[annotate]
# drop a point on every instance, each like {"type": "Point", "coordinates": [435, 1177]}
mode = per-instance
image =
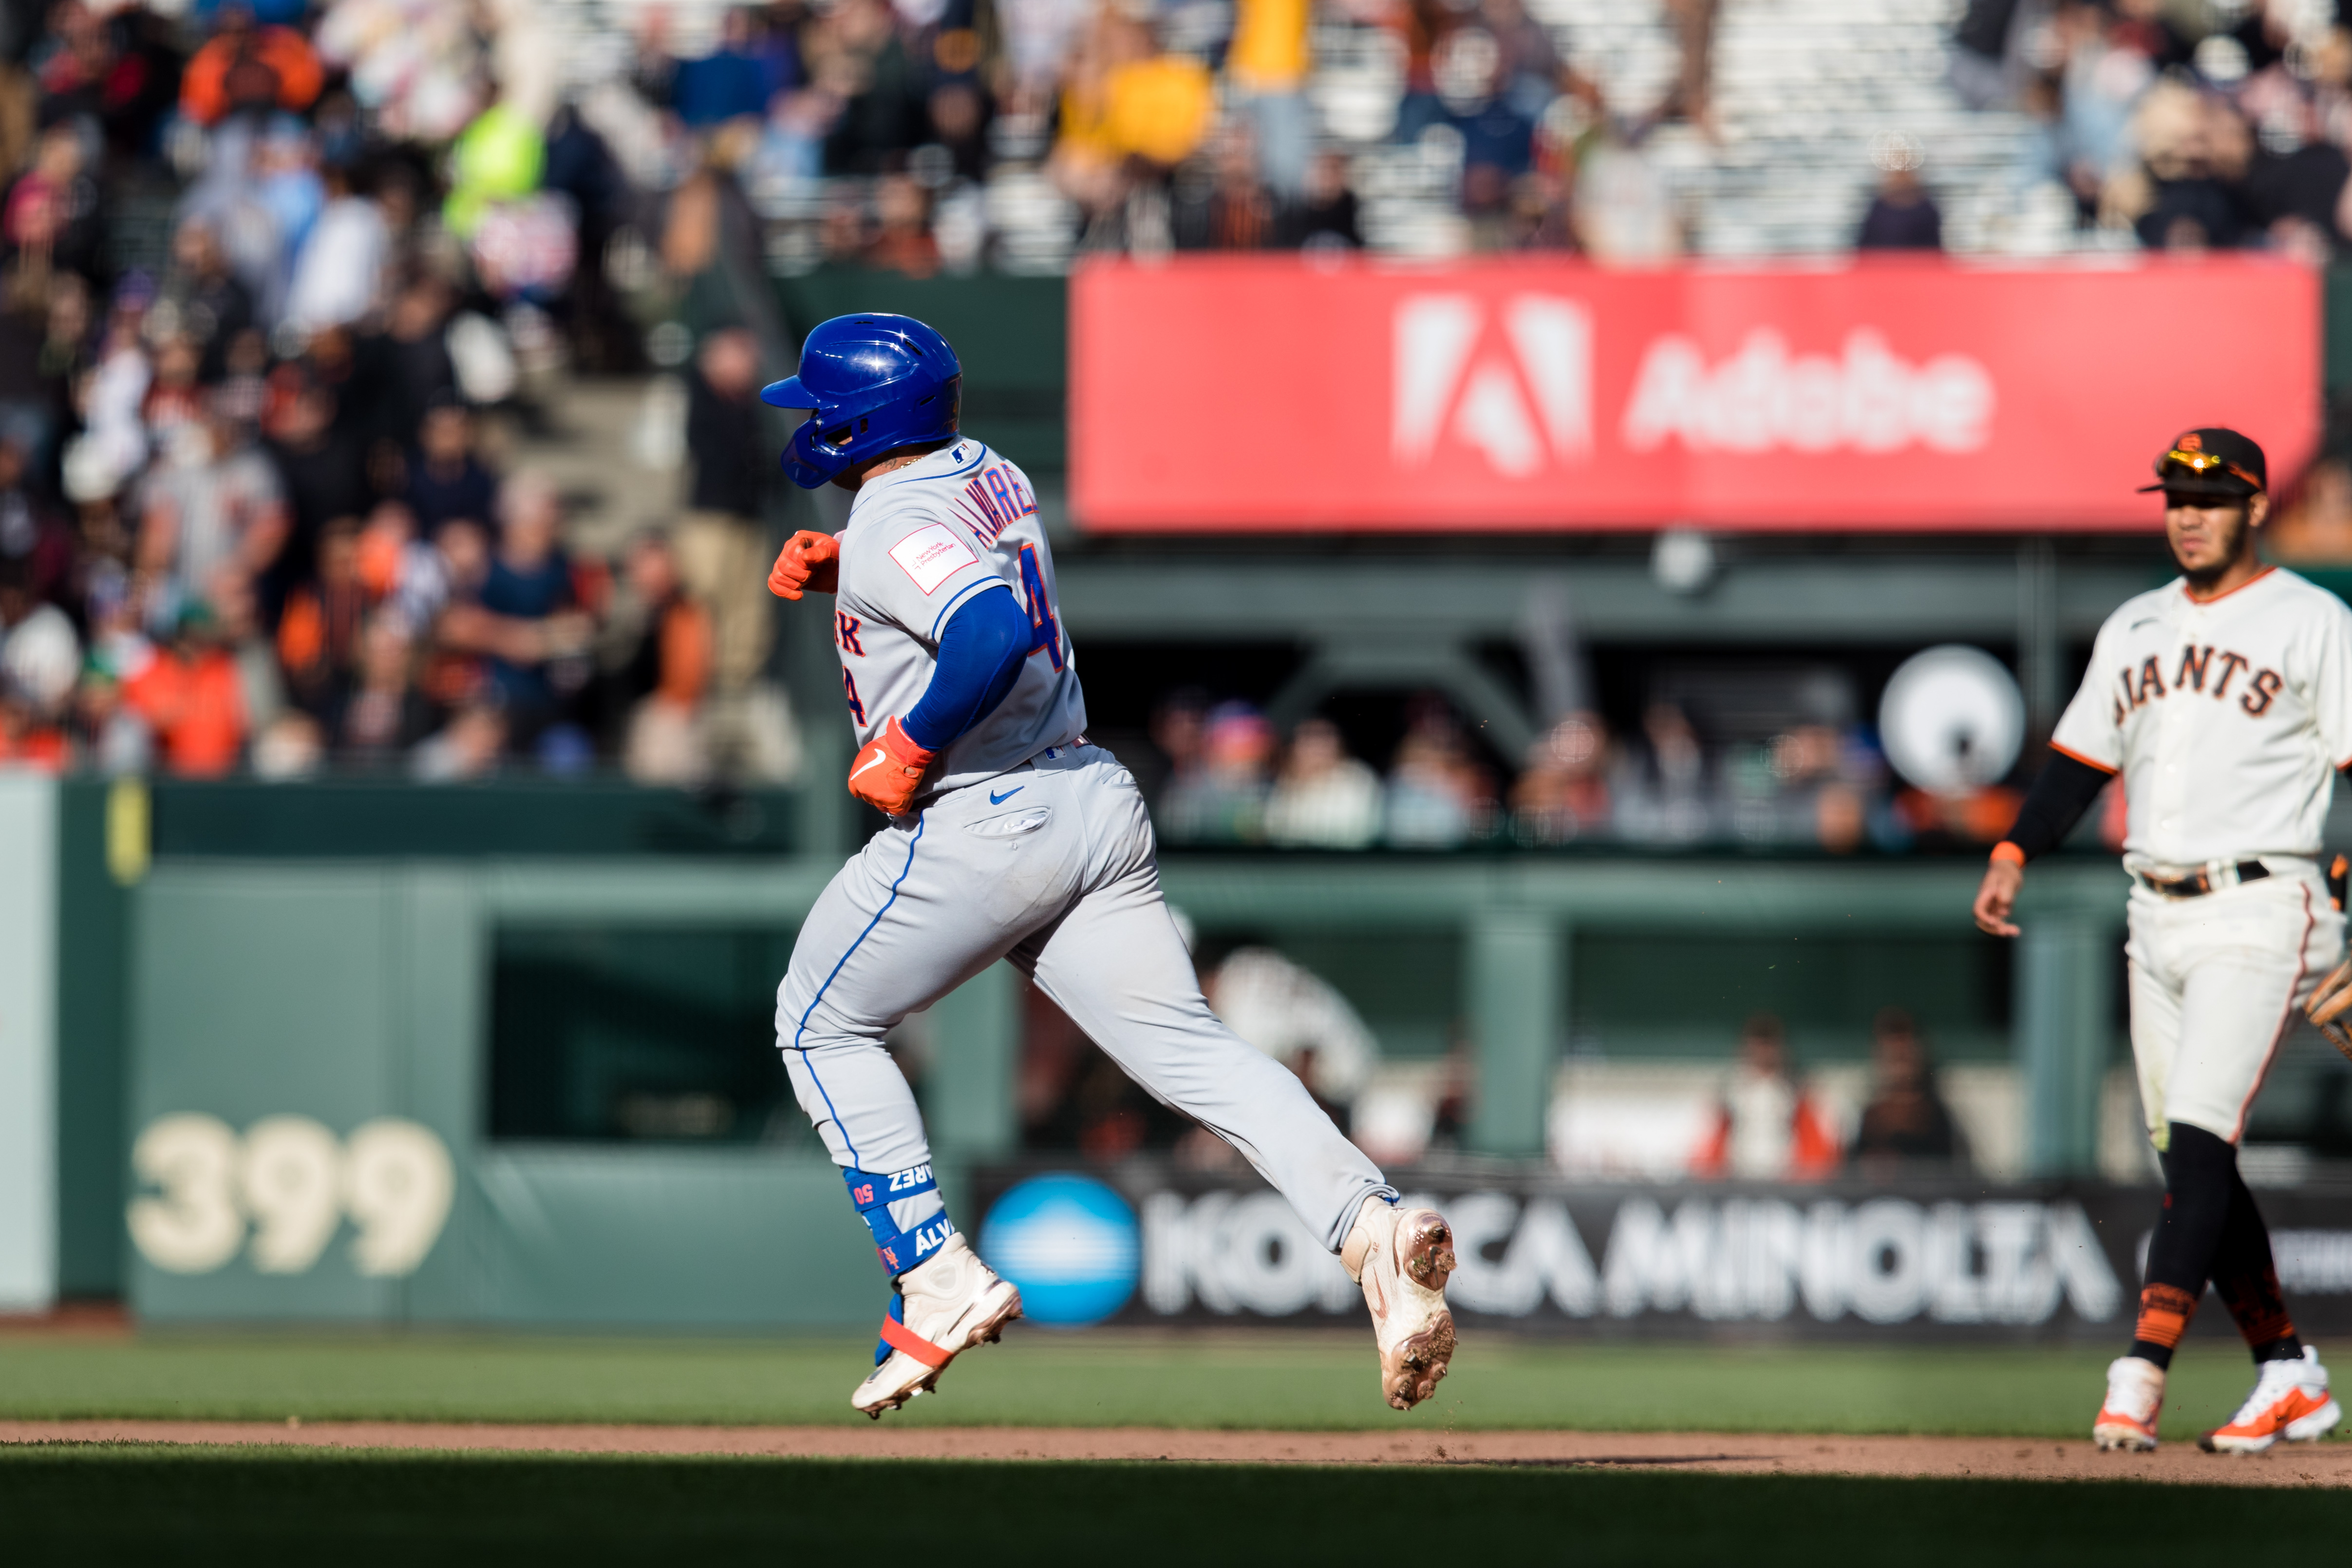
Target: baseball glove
{"type": "Point", "coordinates": [2331, 1008]}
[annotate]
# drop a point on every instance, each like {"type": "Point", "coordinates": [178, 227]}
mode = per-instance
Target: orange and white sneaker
{"type": "Point", "coordinates": [1400, 1257]}
{"type": "Point", "coordinates": [946, 1304]}
{"type": "Point", "coordinates": [2290, 1400]}
{"type": "Point", "coordinates": [2135, 1396]}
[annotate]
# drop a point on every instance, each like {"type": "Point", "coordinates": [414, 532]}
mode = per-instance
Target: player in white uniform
{"type": "Point", "coordinates": [1011, 837]}
{"type": "Point", "coordinates": [2224, 699]}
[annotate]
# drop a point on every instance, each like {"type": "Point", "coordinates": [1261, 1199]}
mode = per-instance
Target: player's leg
{"type": "Point", "coordinates": [864, 960]}
{"type": "Point", "coordinates": [2290, 1399]}
{"type": "Point", "coordinates": [2197, 1168]}
{"type": "Point", "coordinates": [916, 914]}
{"type": "Point", "coordinates": [1114, 964]}
{"type": "Point", "coordinates": [2258, 955]}
{"type": "Point", "coordinates": [2214, 1033]}
{"type": "Point", "coordinates": [2135, 1396]}
{"type": "Point", "coordinates": [2246, 1278]}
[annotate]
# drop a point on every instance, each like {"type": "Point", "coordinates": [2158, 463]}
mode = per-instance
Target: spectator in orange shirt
{"type": "Point", "coordinates": [661, 672]}
{"type": "Point", "coordinates": [1767, 1128]}
{"type": "Point", "coordinates": [25, 741]}
{"type": "Point", "coordinates": [192, 696]}
{"type": "Point", "coordinates": [319, 634]}
{"type": "Point", "coordinates": [250, 66]}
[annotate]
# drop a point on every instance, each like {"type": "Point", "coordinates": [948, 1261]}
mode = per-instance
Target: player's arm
{"type": "Point", "coordinates": [2064, 790]}
{"type": "Point", "coordinates": [981, 650]}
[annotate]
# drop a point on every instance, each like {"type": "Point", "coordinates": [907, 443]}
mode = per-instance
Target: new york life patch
{"type": "Point", "coordinates": [931, 555]}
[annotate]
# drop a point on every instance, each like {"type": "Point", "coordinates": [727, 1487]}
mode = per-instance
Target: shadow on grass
{"type": "Point", "coordinates": [107, 1503]}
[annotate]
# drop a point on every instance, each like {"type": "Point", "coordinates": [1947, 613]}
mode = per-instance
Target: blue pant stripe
{"type": "Point", "coordinates": [821, 990]}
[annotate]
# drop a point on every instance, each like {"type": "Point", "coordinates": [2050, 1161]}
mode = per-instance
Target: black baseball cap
{"type": "Point", "coordinates": [2214, 461]}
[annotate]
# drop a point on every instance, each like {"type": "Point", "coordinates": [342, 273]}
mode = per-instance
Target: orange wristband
{"type": "Point", "coordinates": [2007, 854]}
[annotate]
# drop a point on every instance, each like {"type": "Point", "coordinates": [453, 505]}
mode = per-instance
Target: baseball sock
{"type": "Point", "coordinates": [2247, 1279]}
{"type": "Point", "coordinates": [2197, 1170]}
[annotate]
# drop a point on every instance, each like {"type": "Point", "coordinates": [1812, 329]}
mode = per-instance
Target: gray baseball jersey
{"type": "Point", "coordinates": [921, 540]}
{"type": "Point", "coordinates": [1033, 847]}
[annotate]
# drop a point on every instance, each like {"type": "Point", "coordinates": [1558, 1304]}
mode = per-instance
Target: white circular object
{"type": "Point", "coordinates": [42, 658]}
{"type": "Point", "coordinates": [1683, 561]}
{"type": "Point", "coordinates": [1952, 719]}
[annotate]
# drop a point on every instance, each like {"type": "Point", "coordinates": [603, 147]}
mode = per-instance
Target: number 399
{"type": "Point", "coordinates": [294, 1181]}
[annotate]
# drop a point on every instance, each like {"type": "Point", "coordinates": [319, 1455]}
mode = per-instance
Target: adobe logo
{"type": "Point", "coordinates": [1522, 397]}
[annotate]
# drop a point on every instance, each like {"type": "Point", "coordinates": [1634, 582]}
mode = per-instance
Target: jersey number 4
{"type": "Point", "coordinates": [1046, 630]}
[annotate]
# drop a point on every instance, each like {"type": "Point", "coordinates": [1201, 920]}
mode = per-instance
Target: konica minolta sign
{"type": "Point", "coordinates": [1137, 1244]}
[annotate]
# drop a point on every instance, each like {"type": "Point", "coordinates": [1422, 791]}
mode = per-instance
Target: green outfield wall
{"type": "Point", "coordinates": [294, 1086]}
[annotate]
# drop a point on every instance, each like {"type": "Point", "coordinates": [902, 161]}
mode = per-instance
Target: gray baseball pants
{"type": "Point", "coordinates": [1053, 867]}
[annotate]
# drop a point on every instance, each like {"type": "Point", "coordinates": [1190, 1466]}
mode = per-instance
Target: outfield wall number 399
{"type": "Point", "coordinates": [292, 1181]}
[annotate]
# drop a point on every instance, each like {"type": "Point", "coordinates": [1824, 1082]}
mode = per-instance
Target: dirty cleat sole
{"type": "Point", "coordinates": [1402, 1259]}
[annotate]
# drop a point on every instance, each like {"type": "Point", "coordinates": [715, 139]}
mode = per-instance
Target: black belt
{"type": "Point", "coordinates": [2200, 882]}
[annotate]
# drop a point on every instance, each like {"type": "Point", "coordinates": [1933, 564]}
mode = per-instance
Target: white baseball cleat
{"type": "Point", "coordinates": [2290, 1400]}
{"type": "Point", "coordinates": [1401, 1256]}
{"type": "Point", "coordinates": [2135, 1394]}
{"type": "Point", "coordinates": [946, 1304]}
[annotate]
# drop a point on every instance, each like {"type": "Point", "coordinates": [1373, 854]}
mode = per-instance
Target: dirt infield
{"type": "Point", "coordinates": [2329, 1464]}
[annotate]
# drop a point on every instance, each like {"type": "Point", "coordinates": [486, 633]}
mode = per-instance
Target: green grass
{"type": "Point", "coordinates": [1039, 1378]}
{"type": "Point", "coordinates": [103, 1505]}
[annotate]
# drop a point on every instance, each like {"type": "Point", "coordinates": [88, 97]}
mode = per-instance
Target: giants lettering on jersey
{"type": "Point", "coordinates": [2226, 718]}
{"type": "Point", "coordinates": [2146, 683]}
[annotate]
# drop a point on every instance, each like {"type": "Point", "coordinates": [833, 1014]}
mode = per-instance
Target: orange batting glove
{"type": "Point", "coordinates": [889, 770]}
{"type": "Point", "coordinates": [811, 562]}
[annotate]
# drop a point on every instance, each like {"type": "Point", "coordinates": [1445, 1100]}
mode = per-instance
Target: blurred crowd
{"type": "Point", "coordinates": [1762, 1121]}
{"type": "Point", "coordinates": [2192, 126]}
{"type": "Point", "coordinates": [1768, 1125]}
{"type": "Point", "coordinates": [284, 289]}
{"type": "Point", "coordinates": [277, 290]}
{"type": "Point", "coordinates": [1229, 778]}
{"type": "Point", "coordinates": [1178, 126]}
{"type": "Point", "coordinates": [1192, 125]}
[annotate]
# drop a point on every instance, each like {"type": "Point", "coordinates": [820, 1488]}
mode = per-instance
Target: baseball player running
{"type": "Point", "coordinates": [2224, 699]}
{"type": "Point", "coordinates": [1011, 837]}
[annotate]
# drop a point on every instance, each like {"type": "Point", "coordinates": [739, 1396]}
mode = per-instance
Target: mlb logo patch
{"type": "Point", "coordinates": [932, 555]}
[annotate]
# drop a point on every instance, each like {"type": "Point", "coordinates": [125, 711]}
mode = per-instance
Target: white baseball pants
{"type": "Point", "coordinates": [1053, 867]}
{"type": "Point", "coordinates": [2215, 982]}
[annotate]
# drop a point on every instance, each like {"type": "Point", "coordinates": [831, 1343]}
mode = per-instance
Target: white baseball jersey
{"type": "Point", "coordinates": [921, 540]}
{"type": "Point", "coordinates": [2227, 719]}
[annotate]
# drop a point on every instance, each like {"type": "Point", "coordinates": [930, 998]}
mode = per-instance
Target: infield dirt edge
{"type": "Point", "coordinates": [2015, 1458]}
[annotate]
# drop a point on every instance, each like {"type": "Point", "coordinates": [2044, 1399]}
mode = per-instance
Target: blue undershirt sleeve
{"type": "Point", "coordinates": [986, 642]}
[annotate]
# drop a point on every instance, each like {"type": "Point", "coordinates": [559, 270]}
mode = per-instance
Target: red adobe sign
{"type": "Point", "coordinates": [1270, 393]}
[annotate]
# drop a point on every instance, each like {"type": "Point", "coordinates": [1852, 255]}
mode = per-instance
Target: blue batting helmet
{"type": "Point", "coordinates": [871, 383]}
